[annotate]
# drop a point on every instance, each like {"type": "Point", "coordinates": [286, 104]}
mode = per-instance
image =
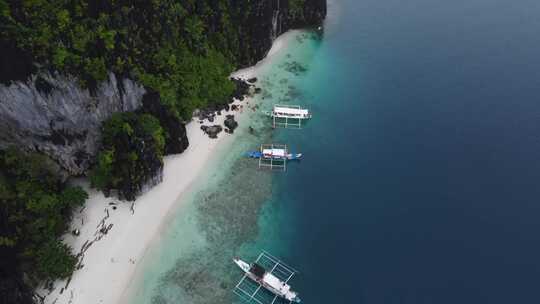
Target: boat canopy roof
{"type": "Point", "coordinates": [274, 152]}
{"type": "Point", "coordinates": [290, 111]}
{"type": "Point", "coordinates": [257, 270]}
{"type": "Point", "coordinates": [276, 283]}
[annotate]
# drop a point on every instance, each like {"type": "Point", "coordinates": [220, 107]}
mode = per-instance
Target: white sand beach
{"type": "Point", "coordinates": [111, 259]}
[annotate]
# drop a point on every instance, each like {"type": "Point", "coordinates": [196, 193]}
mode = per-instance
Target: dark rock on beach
{"type": "Point", "coordinates": [242, 89]}
{"type": "Point", "coordinates": [231, 123]}
{"type": "Point", "coordinates": [212, 131]}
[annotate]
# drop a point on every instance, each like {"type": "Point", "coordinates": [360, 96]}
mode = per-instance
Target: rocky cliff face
{"type": "Point", "coordinates": [268, 19]}
{"type": "Point", "coordinates": [53, 114]}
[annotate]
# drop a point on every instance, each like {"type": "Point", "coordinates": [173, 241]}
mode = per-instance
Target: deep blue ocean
{"type": "Point", "coordinates": [420, 182]}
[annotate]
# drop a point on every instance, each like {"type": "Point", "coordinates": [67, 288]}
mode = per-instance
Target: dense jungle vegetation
{"type": "Point", "coordinates": [133, 147]}
{"type": "Point", "coordinates": [35, 209]}
{"type": "Point", "coordinates": [185, 50]}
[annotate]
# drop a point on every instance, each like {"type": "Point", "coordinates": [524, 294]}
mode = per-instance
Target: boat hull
{"type": "Point", "coordinates": [258, 154]}
{"type": "Point", "coordinates": [266, 282]}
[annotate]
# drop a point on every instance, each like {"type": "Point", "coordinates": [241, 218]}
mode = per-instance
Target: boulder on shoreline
{"type": "Point", "coordinates": [212, 131]}
{"type": "Point", "coordinates": [231, 123]}
{"type": "Point", "coordinates": [241, 89]}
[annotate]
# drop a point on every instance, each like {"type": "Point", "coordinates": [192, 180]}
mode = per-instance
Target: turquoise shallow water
{"type": "Point", "coordinates": [232, 212]}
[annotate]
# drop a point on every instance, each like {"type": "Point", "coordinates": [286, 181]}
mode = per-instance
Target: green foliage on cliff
{"type": "Point", "coordinates": [35, 208]}
{"type": "Point", "coordinates": [55, 260]}
{"type": "Point", "coordinates": [102, 174]}
{"type": "Point", "coordinates": [133, 146]}
{"type": "Point", "coordinates": [296, 8]}
{"type": "Point", "coordinates": [185, 50]}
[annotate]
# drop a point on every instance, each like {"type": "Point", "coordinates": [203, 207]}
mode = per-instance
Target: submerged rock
{"type": "Point", "coordinates": [295, 68]}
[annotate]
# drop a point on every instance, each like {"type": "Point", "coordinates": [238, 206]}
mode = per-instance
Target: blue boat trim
{"type": "Point", "coordinates": [259, 154]}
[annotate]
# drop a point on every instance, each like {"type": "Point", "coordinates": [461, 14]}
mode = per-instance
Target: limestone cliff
{"type": "Point", "coordinates": [53, 114]}
{"type": "Point", "coordinates": [268, 19]}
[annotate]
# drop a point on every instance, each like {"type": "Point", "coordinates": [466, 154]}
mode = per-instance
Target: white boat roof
{"type": "Point", "coordinates": [275, 152]}
{"type": "Point", "coordinates": [292, 111]}
{"type": "Point", "coordinates": [284, 288]}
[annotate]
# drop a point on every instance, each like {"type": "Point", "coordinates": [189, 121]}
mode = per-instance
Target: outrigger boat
{"type": "Point", "coordinates": [289, 111]}
{"type": "Point", "coordinates": [274, 154]}
{"type": "Point", "coordinates": [288, 116]}
{"type": "Point", "coordinates": [270, 274]}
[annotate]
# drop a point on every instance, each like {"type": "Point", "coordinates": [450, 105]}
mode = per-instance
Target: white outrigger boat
{"type": "Point", "coordinates": [281, 114]}
{"type": "Point", "coordinates": [273, 156]}
{"type": "Point", "coordinates": [272, 277]}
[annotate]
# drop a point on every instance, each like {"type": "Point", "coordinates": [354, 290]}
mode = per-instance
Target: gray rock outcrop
{"type": "Point", "coordinates": [267, 19]}
{"type": "Point", "coordinates": [53, 114]}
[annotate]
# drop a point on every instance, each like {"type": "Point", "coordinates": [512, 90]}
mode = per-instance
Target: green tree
{"type": "Point", "coordinates": [55, 260]}
{"type": "Point", "coordinates": [101, 175]}
{"type": "Point", "coordinates": [73, 197]}
{"type": "Point", "coordinates": [132, 153]}
{"type": "Point", "coordinates": [35, 209]}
